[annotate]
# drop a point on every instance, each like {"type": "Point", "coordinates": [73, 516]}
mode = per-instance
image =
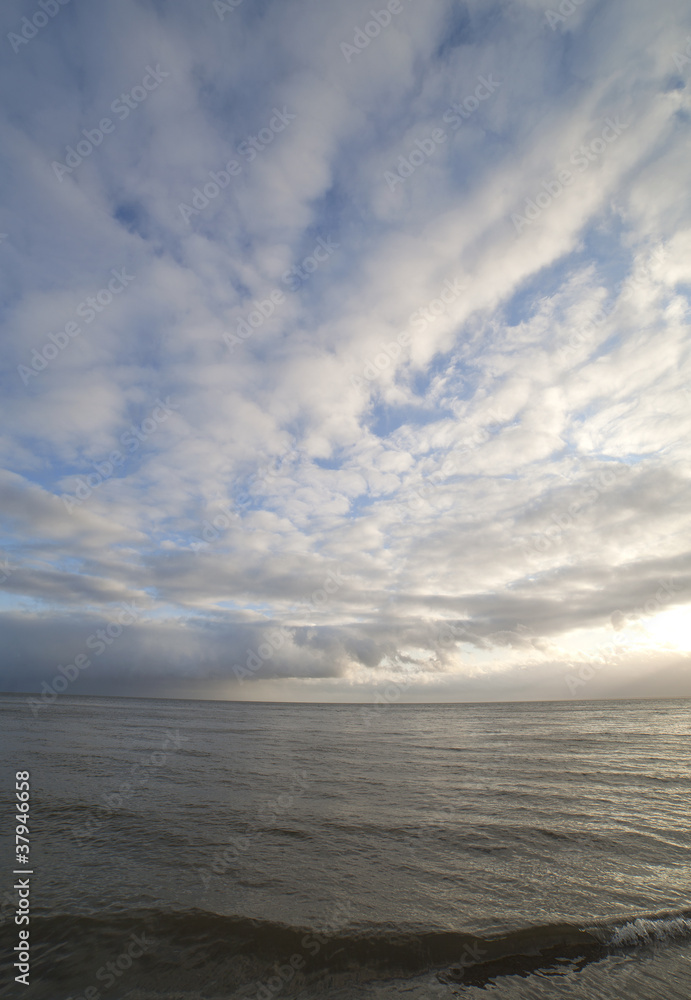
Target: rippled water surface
{"type": "Point", "coordinates": [259, 851]}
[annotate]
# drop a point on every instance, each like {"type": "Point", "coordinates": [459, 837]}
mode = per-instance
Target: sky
{"type": "Point", "coordinates": [345, 350]}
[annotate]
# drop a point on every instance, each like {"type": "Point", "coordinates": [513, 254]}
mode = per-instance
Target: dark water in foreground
{"type": "Point", "coordinates": [196, 849]}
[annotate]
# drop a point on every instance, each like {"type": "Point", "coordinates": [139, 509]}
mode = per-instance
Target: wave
{"type": "Point", "coordinates": [239, 951]}
{"type": "Point", "coordinates": [647, 931]}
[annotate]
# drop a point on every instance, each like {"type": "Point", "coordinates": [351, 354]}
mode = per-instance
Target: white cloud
{"type": "Point", "coordinates": [442, 488]}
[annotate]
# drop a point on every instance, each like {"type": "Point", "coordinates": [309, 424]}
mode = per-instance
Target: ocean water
{"type": "Point", "coordinates": [186, 849]}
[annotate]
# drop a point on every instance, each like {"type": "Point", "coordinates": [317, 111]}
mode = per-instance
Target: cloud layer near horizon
{"type": "Point", "coordinates": [381, 365]}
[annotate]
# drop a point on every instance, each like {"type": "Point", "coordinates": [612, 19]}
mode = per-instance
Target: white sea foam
{"type": "Point", "coordinates": [647, 931]}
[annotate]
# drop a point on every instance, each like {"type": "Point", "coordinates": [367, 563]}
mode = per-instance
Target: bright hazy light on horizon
{"type": "Point", "coordinates": [672, 628]}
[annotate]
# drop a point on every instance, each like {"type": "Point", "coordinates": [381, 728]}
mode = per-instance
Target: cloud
{"type": "Point", "coordinates": [469, 422]}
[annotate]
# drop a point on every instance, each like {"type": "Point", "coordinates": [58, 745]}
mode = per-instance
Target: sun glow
{"type": "Point", "coordinates": [672, 628]}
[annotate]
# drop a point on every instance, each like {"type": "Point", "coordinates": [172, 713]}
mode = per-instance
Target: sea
{"type": "Point", "coordinates": [182, 850]}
